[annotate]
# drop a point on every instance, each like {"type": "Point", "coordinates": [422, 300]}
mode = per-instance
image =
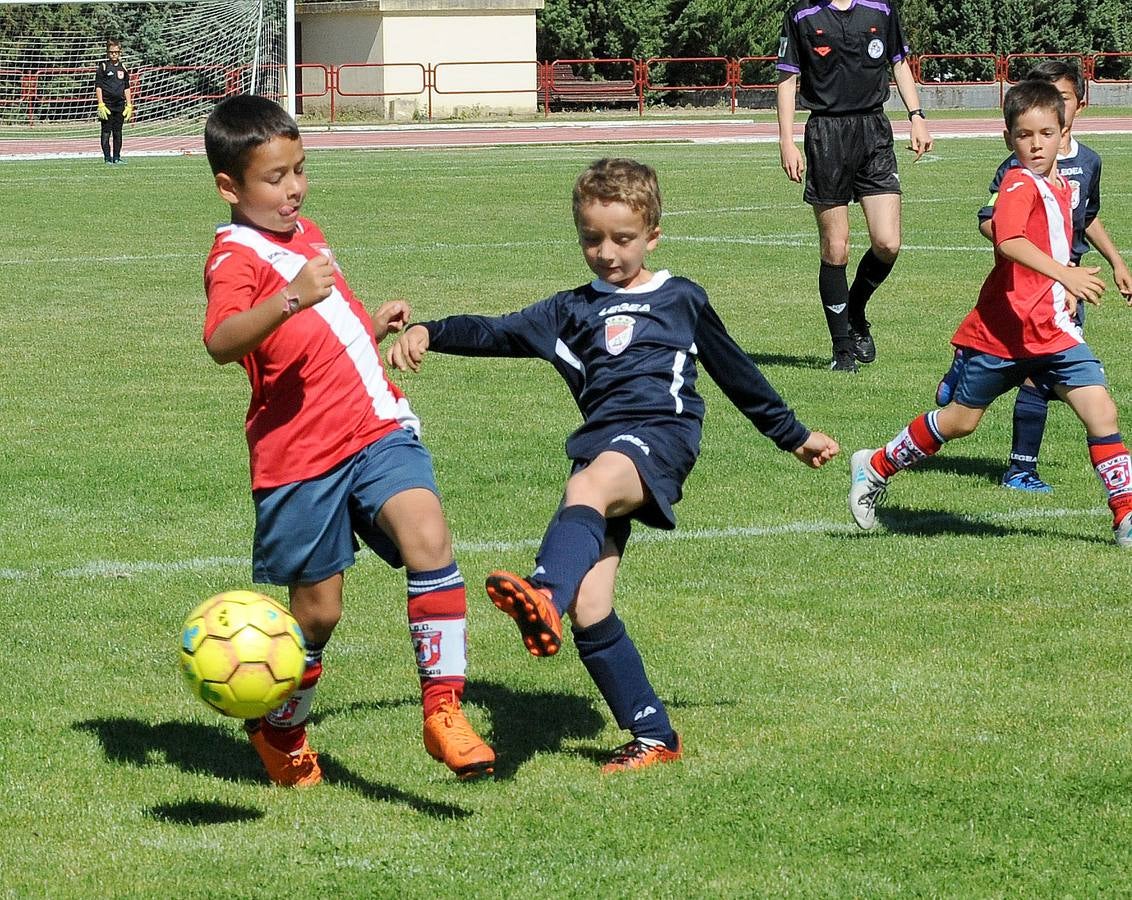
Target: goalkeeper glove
{"type": "Point", "coordinates": [128, 114]}
{"type": "Point", "coordinates": [103, 110]}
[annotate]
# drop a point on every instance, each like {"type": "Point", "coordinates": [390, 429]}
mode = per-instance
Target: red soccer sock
{"type": "Point", "coordinates": [919, 440]}
{"type": "Point", "coordinates": [437, 606]}
{"type": "Point", "coordinates": [1114, 468]}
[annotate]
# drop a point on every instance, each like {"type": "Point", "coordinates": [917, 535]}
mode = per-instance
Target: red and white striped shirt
{"type": "Point", "coordinates": [319, 391]}
{"type": "Point", "coordinates": [1020, 312]}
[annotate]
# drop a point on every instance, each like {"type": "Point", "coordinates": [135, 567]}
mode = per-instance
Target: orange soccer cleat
{"type": "Point", "coordinates": [637, 755]}
{"type": "Point", "coordinates": [531, 608]}
{"type": "Point", "coordinates": [297, 769]}
{"type": "Point", "coordinates": [449, 738]}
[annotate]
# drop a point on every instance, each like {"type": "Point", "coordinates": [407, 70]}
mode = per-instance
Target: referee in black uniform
{"type": "Point", "coordinates": [115, 106]}
{"type": "Point", "coordinates": [838, 53]}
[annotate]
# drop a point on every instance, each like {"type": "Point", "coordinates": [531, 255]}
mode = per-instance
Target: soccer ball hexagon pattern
{"type": "Point", "coordinates": [242, 653]}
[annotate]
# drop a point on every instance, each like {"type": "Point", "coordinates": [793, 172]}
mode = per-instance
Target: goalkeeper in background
{"type": "Point", "coordinates": [115, 105]}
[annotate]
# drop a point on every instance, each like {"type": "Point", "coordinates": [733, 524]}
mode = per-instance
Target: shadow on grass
{"type": "Point", "coordinates": [211, 751]}
{"type": "Point", "coordinates": [932, 522]}
{"type": "Point", "coordinates": [787, 359]}
{"type": "Point", "coordinates": [980, 467]}
{"type": "Point", "coordinates": [202, 812]}
{"type": "Point", "coordinates": [525, 723]}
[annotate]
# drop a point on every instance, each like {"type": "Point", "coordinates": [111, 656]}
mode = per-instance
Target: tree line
{"type": "Point", "coordinates": [639, 29]}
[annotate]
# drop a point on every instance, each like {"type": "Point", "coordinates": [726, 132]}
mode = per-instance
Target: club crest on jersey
{"type": "Point", "coordinates": [618, 333]}
{"type": "Point", "coordinates": [427, 646]}
{"type": "Point", "coordinates": [875, 48]}
{"type": "Point", "coordinates": [1076, 186]}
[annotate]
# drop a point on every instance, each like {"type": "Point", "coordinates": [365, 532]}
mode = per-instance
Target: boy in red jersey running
{"type": "Point", "coordinates": [335, 449]}
{"type": "Point", "coordinates": [1022, 326]}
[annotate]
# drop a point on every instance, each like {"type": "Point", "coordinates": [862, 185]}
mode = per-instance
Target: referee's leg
{"type": "Point", "coordinates": [833, 284]}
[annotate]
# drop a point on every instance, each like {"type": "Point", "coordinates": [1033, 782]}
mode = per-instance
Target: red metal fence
{"type": "Point", "coordinates": [44, 93]}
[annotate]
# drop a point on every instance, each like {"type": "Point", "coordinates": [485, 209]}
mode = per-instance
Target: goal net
{"type": "Point", "coordinates": [182, 55]}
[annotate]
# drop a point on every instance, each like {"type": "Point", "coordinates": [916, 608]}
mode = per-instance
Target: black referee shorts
{"type": "Point", "coordinates": [849, 157]}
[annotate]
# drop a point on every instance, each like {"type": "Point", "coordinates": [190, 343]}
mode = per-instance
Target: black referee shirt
{"type": "Point", "coordinates": [841, 56]}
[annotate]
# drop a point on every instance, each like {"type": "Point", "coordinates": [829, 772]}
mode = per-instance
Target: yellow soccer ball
{"type": "Point", "coordinates": [242, 653]}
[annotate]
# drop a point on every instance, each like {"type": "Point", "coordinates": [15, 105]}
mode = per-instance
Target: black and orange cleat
{"type": "Point", "coordinates": [449, 738]}
{"type": "Point", "coordinates": [638, 754]}
{"type": "Point", "coordinates": [531, 608]}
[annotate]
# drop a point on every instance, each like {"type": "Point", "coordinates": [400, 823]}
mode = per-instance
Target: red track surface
{"type": "Point", "coordinates": [411, 136]}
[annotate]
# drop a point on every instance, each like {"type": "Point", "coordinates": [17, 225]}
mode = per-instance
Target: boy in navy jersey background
{"type": "Point", "coordinates": [627, 345]}
{"type": "Point", "coordinates": [1081, 167]}
{"type": "Point", "coordinates": [335, 449]}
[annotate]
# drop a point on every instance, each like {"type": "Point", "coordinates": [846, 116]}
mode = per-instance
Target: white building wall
{"type": "Point", "coordinates": [482, 53]}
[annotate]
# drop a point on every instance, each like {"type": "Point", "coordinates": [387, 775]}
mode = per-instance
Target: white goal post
{"type": "Point", "coordinates": [183, 56]}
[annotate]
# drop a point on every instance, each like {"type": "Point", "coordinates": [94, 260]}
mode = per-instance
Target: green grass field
{"type": "Point", "coordinates": [939, 708]}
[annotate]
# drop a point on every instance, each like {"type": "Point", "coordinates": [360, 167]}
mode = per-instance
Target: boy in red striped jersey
{"type": "Point", "coordinates": [335, 449]}
{"type": "Point", "coordinates": [1022, 326]}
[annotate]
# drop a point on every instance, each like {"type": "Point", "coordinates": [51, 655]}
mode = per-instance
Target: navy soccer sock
{"type": "Point", "coordinates": [871, 273]}
{"type": "Point", "coordinates": [611, 658]}
{"type": "Point", "coordinates": [1030, 409]}
{"type": "Point", "coordinates": [570, 548]}
{"type": "Point", "coordinates": [834, 291]}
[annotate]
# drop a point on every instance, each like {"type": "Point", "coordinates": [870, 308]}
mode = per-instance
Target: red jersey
{"type": "Point", "coordinates": [1020, 312]}
{"type": "Point", "coordinates": [319, 391]}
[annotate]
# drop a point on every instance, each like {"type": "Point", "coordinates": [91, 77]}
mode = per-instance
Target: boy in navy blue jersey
{"type": "Point", "coordinates": [1081, 167]}
{"type": "Point", "coordinates": [627, 345]}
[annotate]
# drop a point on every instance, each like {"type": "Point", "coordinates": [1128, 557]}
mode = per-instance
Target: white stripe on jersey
{"type": "Point", "coordinates": [677, 380]}
{"type": "Point", "coordinates": [1059, 250]}
{"type": "Point", "coordinates": [336, 312]}
{"type": "Point", "coordinates": [343, 322]}
{"type": "Point", "coordinates": [566, 355]}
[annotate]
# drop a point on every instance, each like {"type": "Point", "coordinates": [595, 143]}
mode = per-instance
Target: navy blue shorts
{"type": "Point", "coordinates": [663, 452]}
{"type": "Point", "coordinates": [307, 531]}
{"type": "Point", "coordinates": [849, 157]}
{"type": "Point", "coordinates": [984, 376]}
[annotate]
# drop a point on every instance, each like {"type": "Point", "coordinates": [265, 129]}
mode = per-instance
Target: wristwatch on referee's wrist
{"type": "Point", "coordinates": [916, 112]}
{"type": "Point", "coordinates": [290, 302]}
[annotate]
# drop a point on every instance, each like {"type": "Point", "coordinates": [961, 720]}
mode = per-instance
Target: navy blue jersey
{"type": "Point", "coordinates": [1081, 167]}
{"type": "Point", "coordinates": [629, 355]}
{"type": "Point", "coordinates": [841, 57]}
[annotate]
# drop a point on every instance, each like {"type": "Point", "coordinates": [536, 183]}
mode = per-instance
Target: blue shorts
{"type": "Point", "coordinates": [307, 531]}
{"type": "Point", "coordinates": [663, 452]}
{"type": "Point", "coordinates": [984, 376]}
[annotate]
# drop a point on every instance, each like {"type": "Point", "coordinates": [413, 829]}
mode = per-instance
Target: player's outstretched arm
{"type": "Point", "coordinates": [390, 317]}
{"type": "Point", "coordinates": [1081, 282]}
{"type": "Point", "coordinates": [817, 450]}
{"type": "Point", "coordinates": [409, 349]}
{"type": "Point", "coordinates": [1105, 246]}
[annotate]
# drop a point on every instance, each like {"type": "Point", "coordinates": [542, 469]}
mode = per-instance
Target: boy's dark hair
{"type": "Point", "coordinates": [1032, 94]}
{"type": "Point", "coordinates": [623, 180]}
{"type": "Point", "coordinates": [113, 42]}
{"type": "Point", "coordinates": [1052, 70]}
{"type": "Point", "coordinates": [237, 126]}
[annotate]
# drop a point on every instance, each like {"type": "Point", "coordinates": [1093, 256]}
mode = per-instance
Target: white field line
{"type": "Point", "coordinates": [96, 569]}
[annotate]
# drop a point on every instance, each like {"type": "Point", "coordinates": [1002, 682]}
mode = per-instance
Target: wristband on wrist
{"type": "Point", "coordinates": [916, 112]}
{"type": "Point", "coordinates": [290, 302]}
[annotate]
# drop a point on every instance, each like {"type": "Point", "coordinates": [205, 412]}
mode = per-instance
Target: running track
{"type": "Point", "coordinates": [623, 132]}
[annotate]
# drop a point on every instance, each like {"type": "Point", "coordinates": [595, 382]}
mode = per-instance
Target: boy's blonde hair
{"type": "Point", "coordinates": [620, 180]}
